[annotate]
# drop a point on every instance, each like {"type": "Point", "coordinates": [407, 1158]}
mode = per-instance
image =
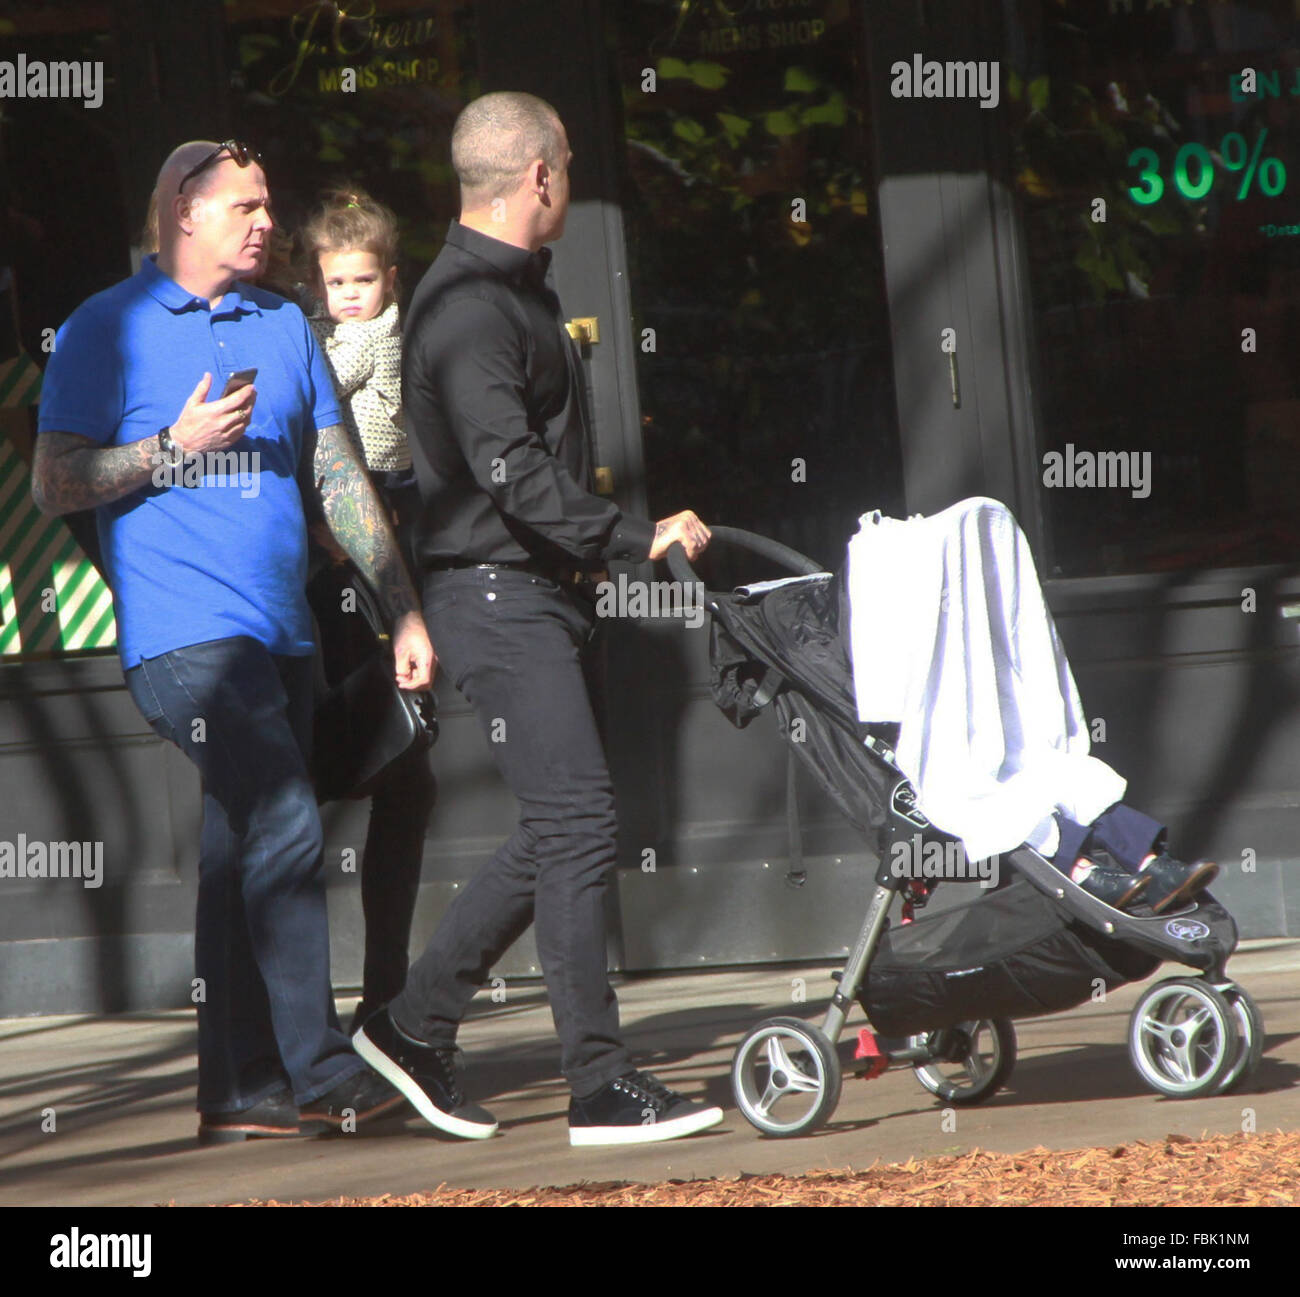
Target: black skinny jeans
{"type": "Point", "coordinates": [513, 645]}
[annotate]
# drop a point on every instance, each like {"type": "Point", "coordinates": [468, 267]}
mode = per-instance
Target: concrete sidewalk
{"type": "Point", "coordinates": [122, 1092]}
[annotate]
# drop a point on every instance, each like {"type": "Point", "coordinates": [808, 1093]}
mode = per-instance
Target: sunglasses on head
{"type": "Point", "coordinates": [241, 154]}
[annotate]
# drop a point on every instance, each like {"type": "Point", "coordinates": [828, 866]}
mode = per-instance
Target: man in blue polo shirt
{"type": "Point", "coordinates": [199, 505]}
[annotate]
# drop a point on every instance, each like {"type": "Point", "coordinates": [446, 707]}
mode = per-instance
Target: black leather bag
{"type": "Point", "coordinates": [363, 722]}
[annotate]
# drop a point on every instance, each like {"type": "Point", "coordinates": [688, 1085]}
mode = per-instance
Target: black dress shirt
{"type": "Point", "coordinates": [495, 413]}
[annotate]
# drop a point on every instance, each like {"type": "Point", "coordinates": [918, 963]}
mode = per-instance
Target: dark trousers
{"type": "Point", "coordinates": [390, 874]}
{"type": "Point", "coordinates": [400, 805]}
{"type": "Point", "coordinates": [512, 643]}
{"type": "Point", "coordinates": [261, 948]}
{"type": "Point", "coordinates": [1127, 834]}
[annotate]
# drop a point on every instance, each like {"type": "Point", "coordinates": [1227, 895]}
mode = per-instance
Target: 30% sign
{"type": "Point", "coordinates": [1193, 170]}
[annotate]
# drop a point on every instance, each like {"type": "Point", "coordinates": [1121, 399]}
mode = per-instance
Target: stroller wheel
{"type": "Point", "coordinates": [786, 1077]}
{"type": "Point", "coordinates": [1250, 1027]}
{"type": "Point", "coordinates": [1183, 1038]}
{"type": "Point", "coordinates": [971, 1061]}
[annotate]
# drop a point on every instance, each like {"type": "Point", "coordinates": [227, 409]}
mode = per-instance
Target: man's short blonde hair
{"type": "Point", "coordinates": [497, 137]}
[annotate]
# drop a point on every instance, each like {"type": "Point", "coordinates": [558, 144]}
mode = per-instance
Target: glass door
{"type": "Point", "coordinates": [754, 254]}
{"type": "Point", "coordinates": [761, 345]}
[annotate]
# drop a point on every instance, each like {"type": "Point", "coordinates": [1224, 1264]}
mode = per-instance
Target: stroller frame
{"type": "Point", "coordinates": [1188, 1036]}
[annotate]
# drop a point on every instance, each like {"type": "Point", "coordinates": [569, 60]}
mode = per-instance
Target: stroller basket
{"type": "Point", "coordinates": [1010, 954]}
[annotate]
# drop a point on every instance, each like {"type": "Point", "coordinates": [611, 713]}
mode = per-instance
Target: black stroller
{"type": "Point", "coordinates": [941, 991]}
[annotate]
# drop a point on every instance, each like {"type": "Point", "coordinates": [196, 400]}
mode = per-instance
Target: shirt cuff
{"type": "Point", "coordinates": [631, 539]}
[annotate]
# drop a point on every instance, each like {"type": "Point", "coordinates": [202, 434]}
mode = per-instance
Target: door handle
{"type": "Point", "coordinates": [584, 329]}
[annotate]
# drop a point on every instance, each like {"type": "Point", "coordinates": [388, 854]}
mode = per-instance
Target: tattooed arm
{"type": "Point", "coordinates": [357, 518]}
{"type": "Point", "coordinates": [360, 524]}
{"type": "Point", "coordinates": [71, 472]}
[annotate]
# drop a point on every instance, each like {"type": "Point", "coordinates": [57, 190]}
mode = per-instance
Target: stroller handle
{"type": "Point", "coordinates": [800, 564]}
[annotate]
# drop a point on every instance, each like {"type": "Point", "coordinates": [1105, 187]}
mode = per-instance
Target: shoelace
{"type": "Point", "coordinates": [642, 1085]}
{"type": "Point", "coordinates": [445, 1058]}
{"type": "Point", "coordinates": [449, 1060]}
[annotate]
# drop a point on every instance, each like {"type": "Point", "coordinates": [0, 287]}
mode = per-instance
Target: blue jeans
{"type": "Point", "coordinates": [261, 948]}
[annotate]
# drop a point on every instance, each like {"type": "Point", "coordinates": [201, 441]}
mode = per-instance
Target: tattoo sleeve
{"type": "Point", "coordinates": [357, 518]}
{"type": "Point", "coordinates": [70, 473]}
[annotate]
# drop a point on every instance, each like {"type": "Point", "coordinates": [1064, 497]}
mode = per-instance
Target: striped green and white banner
{"type": "Point", "coordinates": [20, 381]}
{"type": "Point", "coordinates": [52, 600]}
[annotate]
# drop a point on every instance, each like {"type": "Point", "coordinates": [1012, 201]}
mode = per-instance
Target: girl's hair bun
{"type": "Point", "coordinates": [347, 219]}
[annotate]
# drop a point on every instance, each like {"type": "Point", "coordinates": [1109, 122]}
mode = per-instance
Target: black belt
{"type": "Point", "coordinates": [564, 575]}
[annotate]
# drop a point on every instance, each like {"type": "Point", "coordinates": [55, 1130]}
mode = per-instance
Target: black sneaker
{"type": "Point", "coordinates": [362, 1097]}
{"type": "Point", "coordinates": [1114, 887]}
{"type": "Point", "coordinates": [636, 1109]}
{"type": "Point", "coordinates": [425, 1074]}
{"type": "Point", "coordinates": [275, 1117]}
{"type": "Point", "coordinates": [1174, 883]}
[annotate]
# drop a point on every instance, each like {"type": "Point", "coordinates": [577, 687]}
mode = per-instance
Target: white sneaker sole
{"type": "Point", "coordinates": [653, 1133]}
{"type": "Point", "coordinates": [420, 1101]}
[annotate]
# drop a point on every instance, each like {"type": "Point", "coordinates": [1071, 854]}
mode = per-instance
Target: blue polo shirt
{"type": "Point", "coordinates": [220, 549]}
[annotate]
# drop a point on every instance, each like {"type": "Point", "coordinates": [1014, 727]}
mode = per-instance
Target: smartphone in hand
{"type": "Point", "coordinates": [240, 378]}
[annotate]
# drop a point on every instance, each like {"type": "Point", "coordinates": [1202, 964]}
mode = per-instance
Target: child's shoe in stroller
{"type": "Point", "coordinates": [1112, 886]}
{"type": "Point", "coordinates": [1172, 882]}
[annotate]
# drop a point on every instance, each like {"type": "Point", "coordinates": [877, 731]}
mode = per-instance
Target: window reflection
{"type": "Point", "coordinates": [1141, 317]}
{"type": "Point", "coordinates": [766, 383]}
{"type": "Point", "coordinates": [366, 95]}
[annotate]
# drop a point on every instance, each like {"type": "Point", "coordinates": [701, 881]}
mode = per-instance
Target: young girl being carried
{"type": "Point", "coordinates": [351, 249]}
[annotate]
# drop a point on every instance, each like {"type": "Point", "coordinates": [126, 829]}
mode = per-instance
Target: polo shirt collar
{"type": "Point", "coordinates": [233, 300]}
{"type": "Point", "coordinates": [166, 290]}
{"type": "Point", "coordinates": [512, 262]}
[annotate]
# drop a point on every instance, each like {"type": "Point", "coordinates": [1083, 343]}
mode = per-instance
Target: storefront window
{"type": "Point", "coordinates": [753, 237]}
{"type": "Point", "coordinates": [1157, 171]}
{"type": "Point", "coordinates": [63, 236]}
{"type": "Point", "coordinates": [363, 95]}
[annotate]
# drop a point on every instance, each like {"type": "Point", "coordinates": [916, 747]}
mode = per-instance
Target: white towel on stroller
{"type": "Point", "coordinates": [952, 640]}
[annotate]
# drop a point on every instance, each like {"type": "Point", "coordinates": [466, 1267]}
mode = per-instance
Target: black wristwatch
{"type": "Point", "coordinates": [165, 444]}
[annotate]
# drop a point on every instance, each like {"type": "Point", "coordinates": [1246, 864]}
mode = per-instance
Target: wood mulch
{"type": "Point", "coordinates": [1259, 1170]}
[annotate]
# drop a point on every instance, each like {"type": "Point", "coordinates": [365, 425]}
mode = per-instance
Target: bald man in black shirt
{"type": "Point", "coordinates": [498, 429]}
